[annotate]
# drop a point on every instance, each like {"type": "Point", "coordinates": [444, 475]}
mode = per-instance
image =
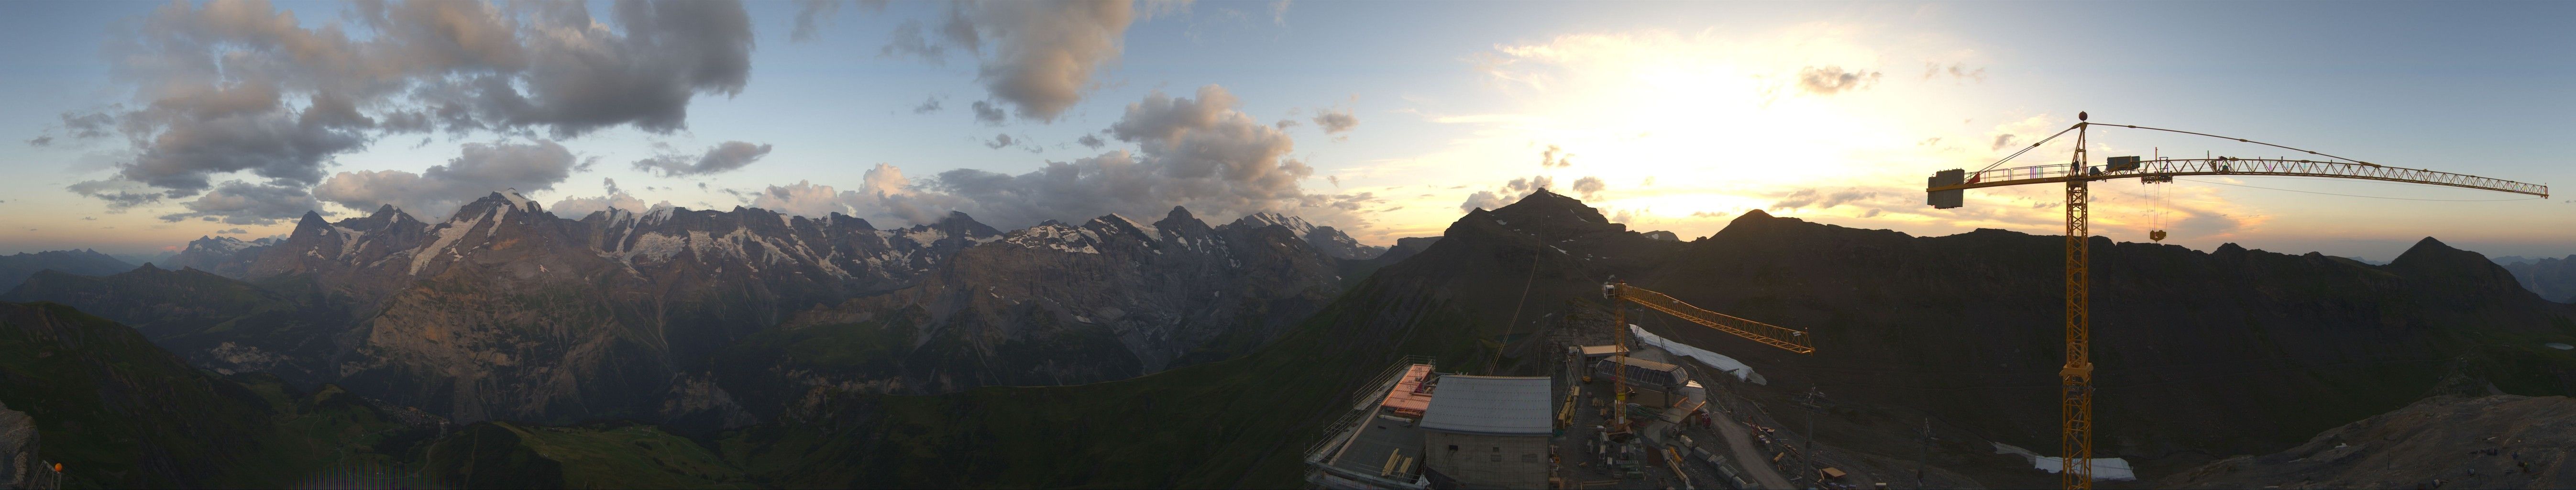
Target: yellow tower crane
{"type": "Point", "coordinates": [1619, 293]}
{"type": "Point", "coordinates": [1947, 187]}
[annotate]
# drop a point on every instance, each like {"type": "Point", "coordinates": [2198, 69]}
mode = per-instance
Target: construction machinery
{"type": "Point", "coordinates": [1946, 189]}
{"type": "Point", "coordinates": [1620, 293]}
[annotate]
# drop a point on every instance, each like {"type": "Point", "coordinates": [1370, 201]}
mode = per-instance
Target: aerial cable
{"type": "Point", "coordinates": [2027, 149]}
{"type": "Point", "coordinates": [2243, 140]}
{"type": "Point", "coordinates": [2372, 197]}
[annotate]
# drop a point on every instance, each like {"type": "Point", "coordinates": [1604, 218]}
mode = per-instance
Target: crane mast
{"type": "Point", "coordinates": [1945, 190]}
{"type": "Point", "coordinates": [2075, 380]}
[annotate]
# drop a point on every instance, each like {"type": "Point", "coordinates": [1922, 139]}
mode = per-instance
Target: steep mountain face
{"type": "Point", "coordinates": [15, 268]}
{"type": "Point", "coordinates": [2552, 279]}
{"type": "Point", "coordinates": [2497, 441]}
{"type": "Point", "coordinates": [1052, 304]}
{"type": "Point", "coordinates": [1969, 327]}
{"type": "Point", "coordinates": [1331, 242]}
{"type": "Point", "coordinates": [222, 255]}
{"type": "Point", "coordinates": [119, 412]}
{"type": "Point", "coordinates": [506, 312]}
{"type": "Point", "coordinates": [212, 321]}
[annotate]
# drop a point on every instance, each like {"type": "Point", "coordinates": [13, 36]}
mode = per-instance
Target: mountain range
{"type": "Point", "coordinates": [808, 352]}
{"type": "Point", "coordinates": [505, 311]}
{"type": "Point", "coordinates": [15, 268]}
{"type": "Point", "coordinates": [2553, 279]}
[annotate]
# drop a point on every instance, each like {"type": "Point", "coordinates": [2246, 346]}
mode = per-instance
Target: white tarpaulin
{"type": "Point", "coordinates": [1719, 361]}
{"type": "Point", "coordinates": [2103, 468]}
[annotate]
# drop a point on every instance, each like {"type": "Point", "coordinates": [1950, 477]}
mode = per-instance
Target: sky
{"type": "Point", "coordinates": [134, 127]}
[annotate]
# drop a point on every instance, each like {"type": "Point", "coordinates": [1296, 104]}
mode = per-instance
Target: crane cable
{"type": "Point", "coordinates": [2241, 140]}
{"type": "Point", "coordinates": [1515, 323]}
{"type": "Point", "coordinates": [2027, 149]}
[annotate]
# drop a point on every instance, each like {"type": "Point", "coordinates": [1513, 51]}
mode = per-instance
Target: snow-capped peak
{"type": "Point", "coordinates": [1296, 226]}
{"type": "Point", "coordinates": [518, 201]}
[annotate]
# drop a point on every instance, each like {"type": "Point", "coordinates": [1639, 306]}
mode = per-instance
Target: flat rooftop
{"type": "Point", "coordinates": [1492, 405]}
{"type": "Point", "coordinates": [1380, 441]}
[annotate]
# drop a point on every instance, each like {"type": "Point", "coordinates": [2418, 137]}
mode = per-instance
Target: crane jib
{"type": "Point", "coordinates": [1944, 184]}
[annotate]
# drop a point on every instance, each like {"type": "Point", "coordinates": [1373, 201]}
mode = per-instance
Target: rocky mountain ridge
{"type": "Point", "coordinates": [222, 255]}
{"type": "Point", "coordinates": [15, 268]}
{"type": "Point", "coordinates": [2553, 279]}
{"type": "Point", "coordinates": [1110, 298]}
{"type": "Point", "coordinates": [505, 311]}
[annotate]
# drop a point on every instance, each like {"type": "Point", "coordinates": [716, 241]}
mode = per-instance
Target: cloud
{"type": "Point", "coordinates": [1510, 192]}
{"type": "Point", "coordinates": [478, 170]}
{"type": "Point", "coordinates": [927, 106]}
{"type": "Point", "coordinates": [1710, 214]}
{"type": "Point", "coordinates": [1285, 124]}
{"type": "Point", "coordinates": [234, 231]}
{"type": "Point", "coordinates": [120, 194]}
{"type": "Point", "coordinates": [240, 86]}
{"type": "Point", "coordinates": [1335, 179]}
{"type": "Point", "coordinates": [1553, 159]}
{"type": "Point", "coordinates": [1588, 186]}
{"type": "Point", "coordinates": [577, 207]}
{"type": "Point", "coordinates": [1810, 199]}
{"type": "Point", "coordinates": [723, 157]}
{"type": "Point", "coordinates": [242, 203]}
{"type": "Point", "coordinates": [1956, 71]}
{"type": "Point", "coordinates": [1041, 55]}
{"type": "Point", "coordinates": [1335, 121]}
{"type": "Point", "coordinates": [1198, 152]}
{"type": "Point", "coordinates": [998, 141]}
{"type": "Point", "coordinates": [809, 13]}
{"type": "Point", "coordinates": [988, 113]}
{"type": "Point", "coordinates": [910, 42]}
{"type": "Point", "coordinates": [1829, 80]}
{"type": "Point", "coordinates": [1091, 141]}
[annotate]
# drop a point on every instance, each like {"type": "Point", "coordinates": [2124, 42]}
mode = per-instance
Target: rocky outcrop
{"type": "Point", "coordinates": [2496, 441]}
{"type": "Point", "coordinates": [18, 446]}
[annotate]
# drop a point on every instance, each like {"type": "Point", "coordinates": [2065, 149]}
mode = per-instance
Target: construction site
{"type": "Point", "coordinates": [1626, 407]}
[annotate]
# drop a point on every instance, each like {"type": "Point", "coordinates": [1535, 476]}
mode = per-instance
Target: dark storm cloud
{"type": "Point", "coordinates": [240, 86]}
{"type": "Point", "coordinates": [478, 170]}
{"type": "Point", "coordinates": [721, 158]}
{"type": "Point", "coordinates": [1829, 80]}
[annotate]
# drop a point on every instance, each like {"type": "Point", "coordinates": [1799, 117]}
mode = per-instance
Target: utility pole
{"type": "Point", "coordinates": [1814, 401]}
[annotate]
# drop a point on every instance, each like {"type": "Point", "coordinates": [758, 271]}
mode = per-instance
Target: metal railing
{"type": "Point", "coordinates": [2038, 174]}
{"type": "Point", "coordinates": [1774, 335]}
